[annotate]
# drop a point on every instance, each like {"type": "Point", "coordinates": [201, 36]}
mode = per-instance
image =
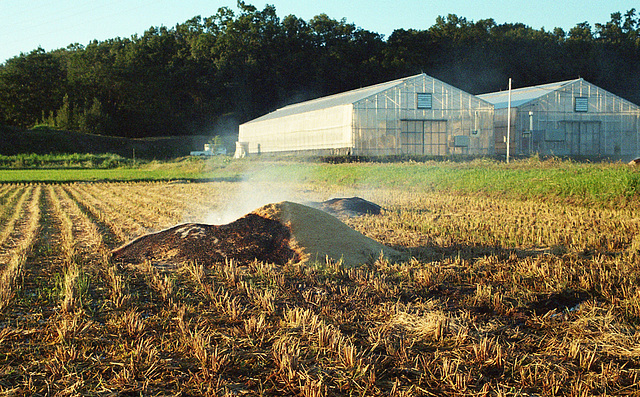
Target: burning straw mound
{"type": "Point", "coordinates": [276, 233]}
{"type": "Point", "coordinates": [243, 240]}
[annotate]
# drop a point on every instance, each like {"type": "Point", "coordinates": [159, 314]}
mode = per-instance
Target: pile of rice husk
{"type": "Point", "coordinates": [348, 207]}
{"type": "Point", "coordinates": [276, 233]}
{"type": "Point", "coordinates": [316, 235]}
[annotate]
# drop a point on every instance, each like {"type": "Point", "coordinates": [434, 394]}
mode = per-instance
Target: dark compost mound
{"type": "Point", "coordinates": [350, 207]}
{"type": "Point", "coordinates": [244, 240]}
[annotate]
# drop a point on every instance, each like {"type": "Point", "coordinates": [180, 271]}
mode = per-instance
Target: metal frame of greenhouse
{"type": "Point", "coordinates": [423, 116]}
{"type": "Point", "coordinates": [567, 118]}
{"type": "Point", "coordinates": [417, 115]}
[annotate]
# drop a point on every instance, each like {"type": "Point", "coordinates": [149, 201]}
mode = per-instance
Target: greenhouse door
{"type": "Point", "coordinates": [590, 131]}
{"type": "Point", "coordinates": [583, 136]}
{"type": "Point", "coordinates": [424, 137]}
{"type": "Point", "coordinates": [573, 134]}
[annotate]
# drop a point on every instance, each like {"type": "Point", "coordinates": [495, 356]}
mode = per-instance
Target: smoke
{"type": "Point", "coordinates": [261, 183]}
{"type": "Point", "coordinates": [476, 75]}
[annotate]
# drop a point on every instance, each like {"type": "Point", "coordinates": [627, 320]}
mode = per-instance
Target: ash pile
{"type": "Point", "coordinates": [277, 233]}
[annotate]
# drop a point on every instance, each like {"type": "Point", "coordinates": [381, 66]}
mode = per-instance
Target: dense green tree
{"type": "Point", "coordinates": [31, 85]}
{"type": "Point", "coordinates": [93, 120]}
{"type": "Point", "coordinates": [618, 54]}
{"type": "Point", "coordinates": [242, 54]}
{"type": "Point", "coordinates": [231, 65]}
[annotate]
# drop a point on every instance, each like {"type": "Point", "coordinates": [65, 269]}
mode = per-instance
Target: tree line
{"type": "Point", "coordinates": [234, 66]}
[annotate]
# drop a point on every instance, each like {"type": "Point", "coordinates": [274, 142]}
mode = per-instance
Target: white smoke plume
{"type": "Point", "coordinates": [261, 183]}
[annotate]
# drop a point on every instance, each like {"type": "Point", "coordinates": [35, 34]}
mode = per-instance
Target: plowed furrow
{"type": "Point", "coordinates": [164, 211]}
{"type": "Point", "coordinates": [19, 247]}
{"type": "Point", "coordinates": [14, 224]}
{"type": "Point", "coordinates": [138, 216]}
{"type": "Point", "coordinates": [84, 253]}
{"type": "Point", "coordinates": [121, 226]}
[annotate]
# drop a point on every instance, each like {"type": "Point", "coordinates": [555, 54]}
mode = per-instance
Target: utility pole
{"type": "Point", "coordinates": [509, 122]}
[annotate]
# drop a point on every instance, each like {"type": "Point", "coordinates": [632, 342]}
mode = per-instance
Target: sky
{"type": "Point", "coordinates": [26, 25]}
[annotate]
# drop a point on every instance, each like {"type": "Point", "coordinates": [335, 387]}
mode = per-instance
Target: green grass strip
{"type": "Point", "coordinates": [607, 184]}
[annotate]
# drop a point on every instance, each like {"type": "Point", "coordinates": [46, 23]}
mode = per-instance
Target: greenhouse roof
{"type": "Point", "coordinates": [521, 96]}
{"type": "Point", "coordinates": [326, 102]}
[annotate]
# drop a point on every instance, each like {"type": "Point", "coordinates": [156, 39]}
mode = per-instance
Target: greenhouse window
{"type": "Point", "coordinates": [581, 104]}
{"type": "Point", "coordinates": [425, 100]}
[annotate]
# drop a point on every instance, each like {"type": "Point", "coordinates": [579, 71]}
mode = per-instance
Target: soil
{"type": "Point", "coordinates": [559, 301]}
{"type": "Point", "coordinates": [276, 233]}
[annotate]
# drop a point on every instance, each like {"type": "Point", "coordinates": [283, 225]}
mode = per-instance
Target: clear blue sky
{"type": "Point", "coordinates": [52, 24]}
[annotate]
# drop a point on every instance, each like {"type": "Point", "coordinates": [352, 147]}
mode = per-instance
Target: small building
{"type": "Point", "coordinates": [567, 118]}
{"type": "Point", "coordinates": [417, 115]}
{"type": "Point", "coordinates": [210, 150]}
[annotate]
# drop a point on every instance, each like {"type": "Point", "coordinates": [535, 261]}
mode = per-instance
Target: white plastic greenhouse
{"type": "Point", "coordinates": [417, 115]}
{"type": "Point", "coordinates": [573, 118]}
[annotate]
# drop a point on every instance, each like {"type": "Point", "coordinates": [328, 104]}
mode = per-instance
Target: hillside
{"type": "Point", "coordinates": [46, 141]}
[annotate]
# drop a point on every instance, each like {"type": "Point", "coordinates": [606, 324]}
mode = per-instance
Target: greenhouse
{"type": "Point", "coordinates": [567, 118]}
{"type": "Point", "coordinates": [417, 115]}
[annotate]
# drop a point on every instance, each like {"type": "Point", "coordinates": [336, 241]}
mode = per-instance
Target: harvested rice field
{"type": "Point", "coordinates": [490, 297]}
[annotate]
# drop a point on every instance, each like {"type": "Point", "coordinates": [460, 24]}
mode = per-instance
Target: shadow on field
{"type": "Point", "coordinates": [480, 275]}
